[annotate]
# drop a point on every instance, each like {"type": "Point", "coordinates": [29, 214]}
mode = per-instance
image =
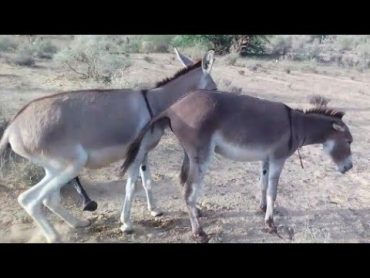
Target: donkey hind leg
{"type": "Point", "coordinates": [147, 184]}
{"type": "Point", "coordinates": [275, 168]}
{"type": "Point", "coordinates": [32, 199]}
{"type": "Point", "coordinates": [183, 176]}
{"type": "Point", "coordinates": [192, 190]}
{"type": "Point", "coordinates": [132, 173]}
{"type": "Point", "coordinates": [264, 184]}
{"type": "Point", "coordinates": [25, 199]}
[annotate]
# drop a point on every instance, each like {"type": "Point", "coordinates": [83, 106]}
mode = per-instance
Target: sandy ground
{"type": "Point", "coordinates": [314, 204]}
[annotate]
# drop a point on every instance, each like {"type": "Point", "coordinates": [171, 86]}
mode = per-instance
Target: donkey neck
{"type": "Point", "coordinates": [310, 129]}
{"type": "Point", "coordinates": [163, 97]}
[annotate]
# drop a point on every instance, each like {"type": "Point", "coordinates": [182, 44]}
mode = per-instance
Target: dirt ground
{"type": "Point", "coordinates": [314, 204]}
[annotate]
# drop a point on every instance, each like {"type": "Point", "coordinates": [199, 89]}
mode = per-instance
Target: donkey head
{"type": "Point", "coordinates": [205, 79]}
{"type": "Point", "coordinates": [338, 145]}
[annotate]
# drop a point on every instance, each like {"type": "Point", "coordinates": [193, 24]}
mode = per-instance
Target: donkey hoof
{"type": "Point", "coordinates": [127, 229]}
{"type": "Point", "coordinates": [156, 213]}
{"type": "Point", "coordinates": [201, 237]}
{"type": "Point", "coordinates": [91, 206]}
{"type": "Point", "coordinates": [270, 226]}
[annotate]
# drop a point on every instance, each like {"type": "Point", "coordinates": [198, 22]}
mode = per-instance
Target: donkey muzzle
{"type": "Point", "coordinates": [345, 168]}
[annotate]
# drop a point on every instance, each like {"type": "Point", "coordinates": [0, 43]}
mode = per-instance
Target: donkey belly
{"type": "Point", "coordinates": [239, 152]}
{"type": "Point", "coordinates": [105, 156]}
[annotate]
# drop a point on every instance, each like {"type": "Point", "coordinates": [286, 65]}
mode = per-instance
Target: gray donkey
{"type": "Point", "coordinates": [91, 205]}
{"type": "Point", "coordinates": [66, 132]}
{"type": "Point", "coordinates": [244, 128]}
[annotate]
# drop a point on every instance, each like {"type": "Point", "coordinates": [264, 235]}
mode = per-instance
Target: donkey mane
{"type": "Point", "coordinates": [323, 110]}
{"type": "Point", "coordinates": [320, 106]}
{"type": "Point", "coordinates": [179, 73]}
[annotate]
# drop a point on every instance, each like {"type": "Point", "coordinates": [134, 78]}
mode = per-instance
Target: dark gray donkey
{"type": "Point", "coordinates": [245, 128]}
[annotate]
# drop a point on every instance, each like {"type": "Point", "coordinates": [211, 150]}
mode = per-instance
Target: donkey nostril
{"type": "Point", "coordinates": [348, 167]}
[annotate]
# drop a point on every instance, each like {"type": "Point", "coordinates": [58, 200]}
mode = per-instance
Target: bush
{"type": "Point", "coordinates": [343, 50]}
{"type": "Point", "coordinates": [279, 45]}
{"type": "Point", "coordinates": [140, 43]}
{"type": "Point", "coordinates": [24, 59]}
{"type": "Point", "coordinates": [363, 52]}
{"type": "Point", "coordinates": [345, 42]}
{"type": "Point", "coordinates": [44, 48]}
{"type": "Point", "coordinates": [231, 59]}
{"type": "Point", "coordinates": [196, 51]}
{"type": "Point", "coordinates": [191, 41]}
{"type": "Point", "coordinates": [148, 59]}
{"type": "Point", "coordinates": [155, 43]}
{"type": "Point", "coordinates": [24, 56]}
{"type": "Point", "coordinates": [8, 43]}
{"type": "Point", "coordinates": [129, 44]}
{"type": "Point", "coordinates": [93, 57]}
{"type": "Point", "coordinates": [26, 48]}
{"type": "Point", "coordinates": [224, 43]}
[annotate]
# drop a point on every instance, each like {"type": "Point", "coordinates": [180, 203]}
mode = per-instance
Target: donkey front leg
{"type": "Point", "coordinates": [198, 165]}
{"type": "Point", "coordinates": [88, 204]}
{"type": "Point", "coordinates": [275, 168]}
{"type": "Point", "coordinates": [147, 184]}
{"type": "Point", "coordinates": [191, 196]}
{"type": "Point", "coordinates": [183, 177]}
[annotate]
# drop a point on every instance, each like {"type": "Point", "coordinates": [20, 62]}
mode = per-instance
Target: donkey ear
{"type": "Point", "coordinates": [208, 61]}
{"type": "Point", "coordinates": [185, 61]}
{"type": "Point", "coordinates": [338, 127]}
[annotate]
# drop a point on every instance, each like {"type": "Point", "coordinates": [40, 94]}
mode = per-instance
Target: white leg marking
{"type": "Point", "coordinates": [275, 168]}
{"type": "Point", "coordinates": [146, 178]}
{"type": "Point", "coordinates": [133, 173]}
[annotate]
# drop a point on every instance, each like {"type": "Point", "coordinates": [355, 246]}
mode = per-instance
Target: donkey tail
{"type": "Point", "coordinates": [134, 148]}
{"type": "Point", "coordinates": [4, 147]}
